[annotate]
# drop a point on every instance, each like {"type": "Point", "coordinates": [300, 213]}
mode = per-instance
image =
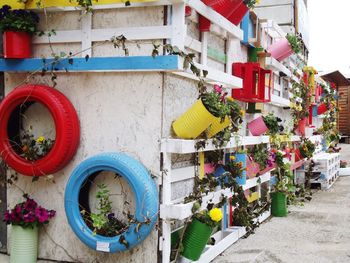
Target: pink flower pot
{"type": "Point", "coordinates": [257, 127]}
{"type": "Point", "coordinates": [252, 168]}
{"type": "Point", "coordinates": [280, 49]}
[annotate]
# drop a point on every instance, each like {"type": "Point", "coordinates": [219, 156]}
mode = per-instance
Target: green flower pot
{"type": "Point", "coordinates": [279, 204]}
{"type": "Point", "coordinates": [196, 237]}
{"type": "Point", "coordinates": [24, 244]}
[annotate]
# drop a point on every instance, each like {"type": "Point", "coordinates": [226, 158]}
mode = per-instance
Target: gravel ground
{"type": "Point", "coordinates": [319, 232]}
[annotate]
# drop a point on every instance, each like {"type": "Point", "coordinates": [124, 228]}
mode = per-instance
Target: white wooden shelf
{"type": "Point", "coordinates": [279, 101]}
{"type": "Point", "coordinates": [182, 211]}
{"type": "Point", "coordinates": [255, 181]}
{"type": "Point", "coordinates": [275, 65]}
{"type": "Point", "coordinates": [189, 146]}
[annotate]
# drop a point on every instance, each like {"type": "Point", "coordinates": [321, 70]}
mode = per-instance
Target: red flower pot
{"type": "Point", "coordinates": [257, 127]}
{"type": "Point", "coordinates": [301, 127]}
{"type": "Point", "coordinates": [238, 14]}
{"type": "Point", "coordinates": [298, 156]}
{"type": "Point", "coordinates": [188, 11]}
{"type": "Point", "coordinates": [203, 24]}
{"type": "Point", "coordinates": [322, 108]}
{"type": "Point", "coordinates": [17, 44]}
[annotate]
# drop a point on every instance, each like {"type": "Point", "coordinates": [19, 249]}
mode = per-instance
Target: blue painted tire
{"type": "Point", "coordinates": [142, 185]}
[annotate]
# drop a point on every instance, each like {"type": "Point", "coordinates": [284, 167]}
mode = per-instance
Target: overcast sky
{"type": "Point", "coordinates": [330, 35]}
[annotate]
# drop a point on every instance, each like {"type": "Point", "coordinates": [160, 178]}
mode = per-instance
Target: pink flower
{"type": "Point", "coordinates": [218, 89]}
{"type": "Point", "coordinates": [7, 216]}
{"type": "Point", "coordinates": [29, 217]}
{"type": "Point", "coordinates": [41, 214]}
{"type": "Point", "coordinates": [30, 205]}
{"type": "Point", "coordinates": [51, 213]}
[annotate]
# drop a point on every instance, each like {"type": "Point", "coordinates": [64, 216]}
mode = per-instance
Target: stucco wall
{"type": "Point", "coordinates": [118, 112]}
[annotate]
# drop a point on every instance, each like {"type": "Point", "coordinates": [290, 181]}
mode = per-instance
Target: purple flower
{"type": "Point", "coordinates": [51, 213]}
{"type": "Point", "coordinates": [7, 217]}
{"type": "Point", "coordinates": [30, 205]}
{"type": "Point", "coordinates": [29, 217]}
{"type": "Point", "coordinates": [41, 214]}
{"type": "Point", "coordinates": [110, 216]}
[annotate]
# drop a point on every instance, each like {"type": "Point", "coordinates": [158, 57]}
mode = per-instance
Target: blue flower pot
{"type": "Point", "coordinates": [314, 111]}
{"type": "Point", "coordinates": [240, 157]}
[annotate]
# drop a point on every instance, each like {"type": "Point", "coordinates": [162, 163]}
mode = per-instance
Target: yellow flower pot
{"type": "Point", "coordinates": [193, 122]}
{"type": "Point", "coordinates": [217, 126]}
{"type": "Point", "coordinates": [14, 4]}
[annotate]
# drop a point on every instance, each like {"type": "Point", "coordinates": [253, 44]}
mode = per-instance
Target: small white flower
{"type": "Point", "coordinates": [300, 100]}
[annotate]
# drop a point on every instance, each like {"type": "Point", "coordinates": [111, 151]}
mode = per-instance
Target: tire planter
{"type": "Point", "coordinates": [17, 44]}
{"type": "Point", "coordinates": [144, 190]}
{"type": "Point", "coordinates": [195, 238]}
{"type": "Point", "coordinates": [66, 126]}
{"type": "Point", "coordinates": [279, 204]}
{"type": "Point", "coordinates": [24, 244]}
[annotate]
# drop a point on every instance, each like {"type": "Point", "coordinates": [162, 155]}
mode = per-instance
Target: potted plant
{"type": "Point", "coordinates": [25, 218]}
{"type": "Point", "coordinates": [307, 148]}
{"type": "Point", "coordinates": [285, 47]}
{"type": "Point", "coordinates": [272, 123]}
{"type": "Point", "coordinates": [257, 127]}
{"type": "Point", "coordinates": [236, 165]}
{"type": "Point", "coordinates": [17, 26]}
{"type": "Point", "coordinates": [283, 188]}
{"type": "Point", "coordinates": [199, 231]}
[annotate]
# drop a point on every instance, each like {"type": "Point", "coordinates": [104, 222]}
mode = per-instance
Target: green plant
{"type": "Point", "coordinates": [251, 3]}
{"type": "Point", "coordinates": [307, 148]}
{"type": "Point", "coordinates": [214, 102]}
{"type": "Point", "coordinates": [104, 221]}
{"type": "Point", "coordinates": [18, 20]}
{"type": "Point", "coordinates": [33, 149]}
{"type": "Point", "coordinates": [210, 217]}
{"type": "Point", "coordinates": [260, 155]}
{"type": "Point", "coordinates": [294, 42]}
{"type": "Point", "coordinates": [271, 122]}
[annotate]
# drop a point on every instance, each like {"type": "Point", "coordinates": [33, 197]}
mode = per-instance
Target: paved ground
{"type": "Point", "coordinates": [319, 232]}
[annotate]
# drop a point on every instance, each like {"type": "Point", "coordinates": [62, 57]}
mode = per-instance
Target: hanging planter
{"type": "Point", "coordinates": [18, 26]}
{"type": "Point", "coordinates": [15, 4]}
{"type": "Point", "coordinates": [237, 15]}
{"type": "Point", "coordinates": [279, 204]}
{"type": "Point", "coordinates": [145, 194]}
{"type": "Point", "coordinates": [322, 108]}
{"type": "Point", "coordinates": [314, 111]}
{"type": "Point", "coordinates": [253, 168]}
{"type": "Point", "coordinates": [196, 237]}
{"type": "Point", "coordinates": [217, 126]}
{"type": "Point", "coordinates": [193, 122]}
{"type": "Point", "coordinates": [66, 126]}
{"type": "Point", "coordinates": [24, 244]}
{"type": "Point", "coordinates": [203, 24]}
{"type": "Point", "coordinates": [17, 44]}
{"type": "Point", "coordinates": [241, 158]}
{"type": "Point", "coordinates": [257, 127]}
{"type": "Point", "coordinates": [256, 82]}
{"type": "Point", "coordinates": [301, 127]}
{"type": "Point", "coordinates": [280, 50]}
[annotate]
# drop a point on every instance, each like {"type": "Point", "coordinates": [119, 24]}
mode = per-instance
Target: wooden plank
{"type": "Point", "coordinates": [136, 63]}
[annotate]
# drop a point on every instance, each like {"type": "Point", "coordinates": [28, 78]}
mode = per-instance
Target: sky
{"type": "Point", "coordinates": [329, 35]}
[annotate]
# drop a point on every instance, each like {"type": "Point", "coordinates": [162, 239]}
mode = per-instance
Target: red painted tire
{"type": "Point", "coordinates": [66, 125]}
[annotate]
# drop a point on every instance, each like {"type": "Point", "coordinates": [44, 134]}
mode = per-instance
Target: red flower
{"type": "Point", "coordinates": [30, 205]}
{"type": "Point", "coordinates": [333, 85]}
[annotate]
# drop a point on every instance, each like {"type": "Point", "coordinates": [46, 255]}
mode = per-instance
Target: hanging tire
{"type": "Point", "coordinates": [66, 126]}
{"type": "Point", "coordinates": [145, 194]}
